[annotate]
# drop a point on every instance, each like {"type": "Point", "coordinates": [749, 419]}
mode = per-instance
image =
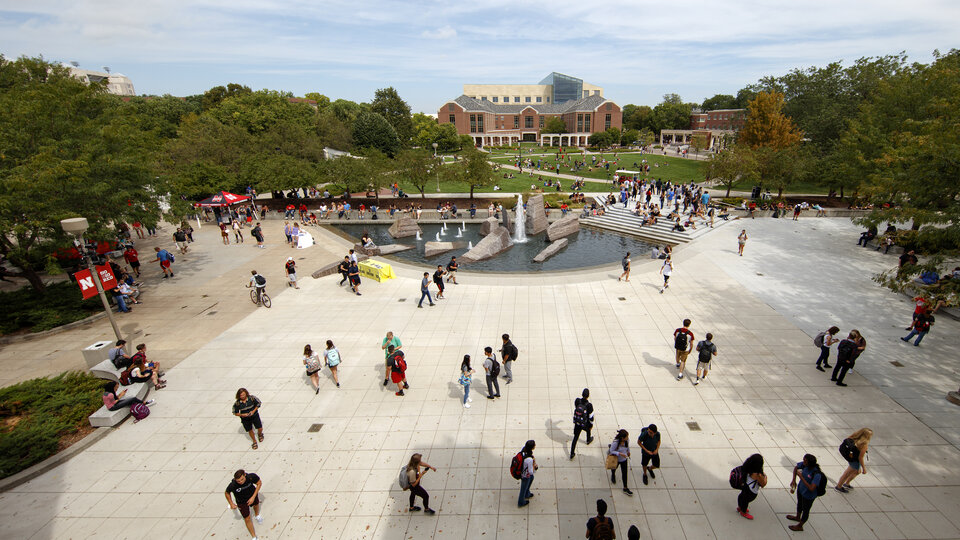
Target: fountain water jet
{"type": "Point", "coordinates": [418, 236]}
{"type": "Point", "coordinates": [459, 233]}
{"type": "Point", "coordinates": [438, 237]}
{"type": "Point", "coordinates": [520, 222]}
{"type": "Point", "coordinates": [470, 245]}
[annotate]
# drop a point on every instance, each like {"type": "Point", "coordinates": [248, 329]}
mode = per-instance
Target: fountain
{"type": "Point", "coordinates": [459, 232]}
{"type": "Point", "coordinates": [444, 225]}
{"type": "Point", "coordinates": [418, 236]}
{"type": "Point", "coordinates": [469, 245]}
{"type": "Point", "coordinates": [438, 237]}
{"type": "Point", "coordinates": [520, 222]}
{"type": "Point", "coordinates": [464, 225]}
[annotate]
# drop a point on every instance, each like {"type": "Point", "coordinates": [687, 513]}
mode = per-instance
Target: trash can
{"type": "Point", "coordinates": [96, 353]}
{"type": "Point", "coordinates": [755, 193]}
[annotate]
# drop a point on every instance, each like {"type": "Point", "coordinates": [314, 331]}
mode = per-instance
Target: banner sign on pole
{"type": "Point", "coordinates": [88, 288]}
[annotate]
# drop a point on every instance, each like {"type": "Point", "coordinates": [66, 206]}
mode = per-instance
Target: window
{"type": "Point", "coordinates": [484, 98]}
{"type": "Point", "coordinates": [450, 107]}
{"type": "Point", "coordinates": [528, 122]}
{"type": "Point", "coordinates": [541, 120]}
{"type": "Point", "coordinates": [479, 123]}
{"type": "Point", "coordinates": [586, 93]}
{"type": "Point", "coordinates": [516, 122]}
{"type": "Point", "coordinates": [506, 99]}
{"type": "Point", "coordinates": [516, 99]}
{"type": "Point", "coordinates": [606, 122]}
{"type": "Point", "coordinates": [548, 99]}
{"type": "Point", "coordinates": [527, 99]}
{"type": "Point", "coordinates": [579, 123]}
{"type": "Point", "coordinates": [539, 99]}
{"type": "Point", "coordinates": [494, 99]}
{"type": "Point", "coordinates": [586, 122]}
{"type": "Point", "coordinates": [453, 119]}
{"type": "Point", "coordinates": [473, 123]}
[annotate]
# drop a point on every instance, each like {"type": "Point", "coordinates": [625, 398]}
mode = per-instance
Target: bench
{"type": "Point", "coordinates": [104, 417]}
{"type": "Point", "coordinates": [106, 370]}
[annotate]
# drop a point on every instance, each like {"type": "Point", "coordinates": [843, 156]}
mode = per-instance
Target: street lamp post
{"type": "Point", "coordinates": [75, 227]}
{"type": "Point", "coordinates": [436, 164]}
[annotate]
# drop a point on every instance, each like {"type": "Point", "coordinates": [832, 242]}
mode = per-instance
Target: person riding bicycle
{"type": "Point", "coordinates": [257, 281]}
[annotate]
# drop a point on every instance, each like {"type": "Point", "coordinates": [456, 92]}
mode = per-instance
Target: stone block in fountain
{"type": "Point", "coordinates": [492, 245]}
{"type": "Point", "coordinates": [551, 250]}
{"type": "Point", "coordinates": [432, 249]}
{"type": "Point", "coordinates": [536, 216]}
{"type": "Point", "coordinates": [489, 225]}
{"type": "Point", "coordinates": [563, 227]}
{"type": "Point", "coordinates": [403, 227]}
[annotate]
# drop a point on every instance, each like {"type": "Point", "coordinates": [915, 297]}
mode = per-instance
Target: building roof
{"type": "Point", "coordinates": [587, 104]}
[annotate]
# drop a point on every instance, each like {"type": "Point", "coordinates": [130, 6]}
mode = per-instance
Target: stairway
{"type": "Point", "coordinates": [623, 221]}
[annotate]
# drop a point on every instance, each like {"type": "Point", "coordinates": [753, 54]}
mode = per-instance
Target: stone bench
{"type": "Point", "coordinates": [106, 370]}
{"type": "Point", "coordinates": [104, 417]}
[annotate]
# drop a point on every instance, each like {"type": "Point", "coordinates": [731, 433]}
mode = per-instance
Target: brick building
{"type": "Point", "coordinates": [491, 123]}
{"type": "Point", "coordinates": [716, 128]}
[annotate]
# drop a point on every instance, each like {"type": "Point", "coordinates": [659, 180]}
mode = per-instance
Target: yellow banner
{"type": "Point", "coordinates": [377, 270]}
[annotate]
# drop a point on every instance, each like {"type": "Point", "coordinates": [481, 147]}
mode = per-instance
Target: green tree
{"type": "Point", "coordinates": [66, 150]}
{"type": "Point", "coordinates": [601, 140]}
{"type": "Point", "coordinates": [766, 125]}
{"type": "Point", "coordinates": [388, 104]}
{"type": "Point", "coordinates": [322, 101]}
{"type": "Point", "coordinates": [629, 136]}
{"type": "Point", "coordinates": [646, 137]}
{"type": "Point", "coordinates": [418, 167]}
{"type": "Point", "coordinates": [554, 124]}
{"type": "Point", "coordinates": [719, 101]}
{"type": "Point", "coordinates": [732, 166]}
{"type": "Point", "coordinates": [334, 132]}
{"type": "Point", "coordinates": [698, 142]}
{"type": "Point", "coordinates": [347, 111]}
{"type": "Point", "coordinates": [637, 117]}
{"type": "Point", "coordinates": [473, 170]}
{"type": "Point", "coordinates": [371, 130]}
{"type": "Point", "coordinates": [260, 111]}
{"type": "Point", "coordinates": [214, 96]}
{"type": "Point", "coordinates": [672, 113]}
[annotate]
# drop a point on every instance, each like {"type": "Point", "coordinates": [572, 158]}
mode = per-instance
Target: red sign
{"type": "Point", "coordinates": [88, 288]}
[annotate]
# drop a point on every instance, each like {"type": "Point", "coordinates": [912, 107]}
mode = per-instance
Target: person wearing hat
{"type": "Point", "coordinates": [649, 443]}
{"type": "Point", "coordinates": [291, 269]}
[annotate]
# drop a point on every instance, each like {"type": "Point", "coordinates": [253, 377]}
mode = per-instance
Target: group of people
{"type": "Point", "coordinates": [848, 350]}
{"type": "Point", "coordinates": [133, 369]}
{"type": "Point", "coordinates": [349, 270]}
{"type": "Point", "coordinates": [491, 369]}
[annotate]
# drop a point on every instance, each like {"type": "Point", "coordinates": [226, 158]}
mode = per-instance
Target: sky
{"type": "Point", "coordinates": [636, 50]}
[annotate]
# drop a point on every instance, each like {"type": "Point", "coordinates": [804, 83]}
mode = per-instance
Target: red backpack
{"type": "Point", "coordinates": [400, 362]}
{"type": "Point", "coordinates": [516, 466]}
{"type": "Point", "coordinates": [125, 376]}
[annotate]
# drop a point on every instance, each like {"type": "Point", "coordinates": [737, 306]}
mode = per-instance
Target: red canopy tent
{"type": "Point", "coordinates": [221, 199]}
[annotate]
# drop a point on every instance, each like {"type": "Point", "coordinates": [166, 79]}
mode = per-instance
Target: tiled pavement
{"type": "Point", "coordinates": [164, 477]}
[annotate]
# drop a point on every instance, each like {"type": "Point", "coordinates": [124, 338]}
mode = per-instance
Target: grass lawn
{"type": "Point", "coordinates": [668, 168]}
{"type": "Point", "coordinates": [40, 417]}
{"type": "Point", "coordinates": [61, 303]}
{"type": "Point", "coordinates": [510, 185]}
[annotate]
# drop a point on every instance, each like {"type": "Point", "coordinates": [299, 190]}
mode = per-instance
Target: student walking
{"type": "Point", "coordinates": [247, 408]}
{"type": "Point", "coordinates": [331, 357]}
{"type": "Point", "coordinates": [683, 344]}
{"type": "Point", "coordinates": [845, 358]}
{"type": "Point", "coordinates": [625, 263]}
{"type": "Point", "coordinates": [452, 268]}
{"type": "Point", "coordinates": [508, 353]}
{"type": "Point", "coordinates": [753, 479]}
{"type": "Point", "coordinates": [824, 340]}
{"type": "Point", "coordinates": [920, 328]}
{"type": "Point", "coordinates": [344, 269]}
{"type": "Point", "coordinates": [389, 340]}
{"type": "Point", "coordinates": [416, 469]}
{"type": "Point", "coordinates": [224, 235]}
{"type": "Point", "coordinates": [492, 369]}
{"type": "Point", "coordinates": [311, 362]}
{"type": "Point", "coordinates": [237, 233]}
{"type": "Point", "coordinates": [290, 267]}
{"type": "Point", "coordinates": [425, 290]}
{"type": "Point", "coordinates": [666, 270]}
{"type": "Point", "coordinates": [620, 447]}
{"type": "Point", "coordinates": [809, 489]}
{"type": "Point", "coordinates": [257, 233]}
{"type": "Point", "coordinates": [582, 419]}
{"type": "Point", "coordinates": [398, 369]}
{"type": "Point", "coordinates": [529, 468]}
{"type": "Point", "coordinates": [742, 239]}
{"type": "Point", "coordinates": [354, 274]}
{"type": "Point", "coordinates": [706, 351]}
{"type": "Point", "coordinates": [245, 488]}
{"type": "Point", "coordinates": [466, 378]}
{"type": "Point", "coordinates": [649, 443]}
{"type": "Point", "coordinates": [438, 280]}
{"type": "Point", "coordinates": [600, 527]}
{"type": "Point", "coordinates": [854, 450]}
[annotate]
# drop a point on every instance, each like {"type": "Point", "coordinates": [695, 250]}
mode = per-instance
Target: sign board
{"type": "Point", "coordinates": [88, 288]}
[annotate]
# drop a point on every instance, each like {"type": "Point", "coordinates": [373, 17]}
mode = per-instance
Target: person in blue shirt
{"type": "Point", "coordinates": [810, 476]}
{"type": "Point", "coordinates": [165, 261]}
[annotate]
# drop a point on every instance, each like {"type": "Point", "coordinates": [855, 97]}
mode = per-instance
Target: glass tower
{"type": "Point", "coordinates": [565, 87]}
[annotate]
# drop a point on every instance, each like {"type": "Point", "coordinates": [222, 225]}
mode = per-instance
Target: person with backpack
{"type": "Point", "coordinates": [344, 269]}
{"type": "Point", "coordinates": [824, 340]}
{"type": "Point", "coordinates": [331, 357]}
{"type": "Point", "coordinates": [398, 369]}
{"type": "Point", "coordinates": [508, 354]}
{"type": "Point", "coordinates": [854, 450]}
{"type": "Point", "coordinates": [257, 233]}
{"type": "Point", "coordinates": [410, 479]}
{"type": "Point", "coordinates": [118, 356]}
{"type": "Point", "coordinates": [920, 327]}
{"type": "Point", "coordinates": [492, 369]}
{"type": "Point", "coordinates": [311, 361]}
{"type": "Point", "coordinates": [115, 401]}
{"type": "Point", "coordinates": [582, 419]}
{"type": "Point", "coordinates": [706, 351]}
{"type": "Point", "coordinates": [620, 447]}
{"type": "Point", "coordinates": [750, 478]}
{"type": "Point", "coordinates": [466, 378]}
{"type": "Point", "coordinates": [649, 443]}
{"type": "Point", "coordinates": [257, 281]}
{"type": "Point", "coordinates": [290, 267]}
{"type": "Point", "coordinates": [247, 408]}
{"type": "Point", "coordinates": [845, 357]}
{"type": "Point", "coordinates": [625, 263]}
{"type": "Point", "coordinates": [683, 344]}
{"type": "Point", "coordinates": [389, 340]}
{"type": "Point", "coordinates": [166, 260]}
{"type": "Point", "coordinates": [601, 527]}
{"type": "Point", "coordinates": [527, 470]}
{"type": "Point", "coordinates": [813, 483]}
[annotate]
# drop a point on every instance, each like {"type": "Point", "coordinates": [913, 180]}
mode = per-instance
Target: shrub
{"type": "Point", "coordinates": [59, 304]}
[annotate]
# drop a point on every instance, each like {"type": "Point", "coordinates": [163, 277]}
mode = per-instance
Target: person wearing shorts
{"type": "Point", "coordinates": [397, 374]}
{"type": "Point", "coordinates": [389, 340]}
{"type": "Point", "coordinates": [245, 488]}
{"type": "Point", "coordinates": [452, 268]}
{"type": "Point", "coordinates": [290, 267]}
{"type": "Point", "coordinates": [130, 255]}
{"type": "Point", "coordinates": [667, 271]}
{"type": "Point", "coordinates": [707, 350]}
{"type": "Point", "coordinates": [682, 352]}
{"type": "Point", "coordinates": [247, 408]}
{"type": "Point", "coordinates": [165, 259]}
{"type": "Point", "coordinates": [649, 442]}
{"type": "Point", "coordinates": [438, 280]}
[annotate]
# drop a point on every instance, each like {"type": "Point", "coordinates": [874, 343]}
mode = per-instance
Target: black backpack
{"type": "Point", "coordinates": [822, 485]}
{"type": "Point", "coordinates": [680, 341]}
{"type": "Point", "coordinates": [706, 351]}
{"type": "Point", "coordinates": [495, 367]}
{"type": "Point", "coordinates": [260, 279]}
{"type": "Point", "coordinates": [580, 416]}
{"type": "Point", "coordinates": [849, 450]}
{"type": "Point", "coordinates": [512, 351]}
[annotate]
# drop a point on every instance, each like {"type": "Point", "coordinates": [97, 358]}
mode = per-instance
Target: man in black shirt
{"type": "Point", "coordinates": [245, 488]}
{"type": "Point", "coordinates": [908, 258]}
{"type": "Point", "coordinates": [582, 419]}
{"type": "Point", "coordinates": [649, 442]}
{"type": "Point", "coordinates": [344, 269]}
{"type": "Point", "coordinates": [845, 360]}
{"type": "Point", "coordinates": [452, 268]}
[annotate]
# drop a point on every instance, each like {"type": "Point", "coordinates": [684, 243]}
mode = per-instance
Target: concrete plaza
{"type": "Point", "coordinates": [164, 477]}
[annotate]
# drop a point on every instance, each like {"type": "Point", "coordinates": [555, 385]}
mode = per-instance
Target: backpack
{"type": "Point", "coordinates": [706, 351]}
{"type": "Point", "coordinates": [680, 341]}
{"type": "Point", "coordinates": [172, 258]}
{"type": "Point", "coordinates": [495, 367]}
{"type": "Point", "coordinates": [818, 341]}
{"type": "Point", "coordinates": [404, 480]}
{"type": "Point", "coordinates": [849, 450]}
{"type": "Point", "coordinates": [737, 478]}
{"type": "Point", "coordinates": [260, 279]}
{"type": "Point", "coordinates": [822, 485]}
{"type": "Point", "coordinates": [125, 376]}
{"type": "Point", "coordinates": [602, 530]}
{"type": "Point", "coordinates": [516, 466]}
{"type": "Point", "coordinates": [513, 352]}
{"type": "Point", "coordinates": [139, 411]}
{"type": "Point", "coordinates": [580, 417]}
{"type": "Point", "coordinates": [120, 362]}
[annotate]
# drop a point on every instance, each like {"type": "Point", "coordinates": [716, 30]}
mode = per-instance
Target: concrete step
{"type": "Point", "coordinates": [619, 219]}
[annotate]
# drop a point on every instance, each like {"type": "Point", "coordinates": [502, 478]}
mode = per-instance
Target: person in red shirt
{"type": "Point", "coordinates": [130, 255]}
{"type": "Point", "coordinates": [683, 345]}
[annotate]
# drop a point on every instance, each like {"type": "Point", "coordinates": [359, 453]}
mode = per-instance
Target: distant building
{"type": "Point", "coordinates": [554, 88]}
{"type": "Point", "coordinates": [716, 127]}
{"type": "Point", "coordinates": [490, 123]}
{"type": "Point", "coordinates": [117, 83]}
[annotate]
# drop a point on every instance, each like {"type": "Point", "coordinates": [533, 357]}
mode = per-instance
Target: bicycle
{"type": "Point", "coordinates": [259, 296]}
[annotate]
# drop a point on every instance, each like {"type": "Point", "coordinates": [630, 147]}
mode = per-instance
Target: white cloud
{"type": "Point", "coordinates": [444, 32]}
